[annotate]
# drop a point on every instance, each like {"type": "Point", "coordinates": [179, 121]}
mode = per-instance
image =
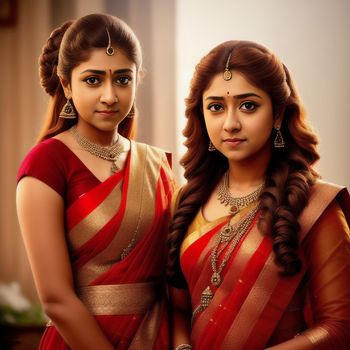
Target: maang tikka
{"type": "Point", "coordinates": [227, 72]}
{"type": "Point", "coordinates": [109, 49]}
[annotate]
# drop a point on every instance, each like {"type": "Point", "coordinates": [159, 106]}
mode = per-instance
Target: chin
{"type": "Point", "coordinates": [105, 127]}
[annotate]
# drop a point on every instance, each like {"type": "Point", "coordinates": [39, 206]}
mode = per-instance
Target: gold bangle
{"type": "Point", "coordinates": [184, 347]}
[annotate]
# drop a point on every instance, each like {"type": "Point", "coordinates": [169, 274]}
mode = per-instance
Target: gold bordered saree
{"type": "Point", "coordinates": [255, 307]}
{"type": "Point", "coordinates": [117, 237]}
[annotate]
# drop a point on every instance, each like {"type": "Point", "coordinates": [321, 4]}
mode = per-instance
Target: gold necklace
{"type": "Point", "coordinates": [111, 153]}
{"type": "Point", "coordinates": [229, 236]}
{"type": "Point", "coordinates": [236, 203]}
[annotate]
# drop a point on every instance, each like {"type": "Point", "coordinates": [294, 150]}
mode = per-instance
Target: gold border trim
{"type": "Point", "coordinates": [98, 218]}
{"type": "Point", "coordinates": [253, 305]}
{"type": "Point", "coordinates": [121, 299]}
{"type": "Point", "coordinates": [139, 212]}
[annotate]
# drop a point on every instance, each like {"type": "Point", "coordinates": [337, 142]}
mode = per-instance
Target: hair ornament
{"type": "Point", "coordinates": [227, 72]}
{"type": "Point", "coordinates": [109, 49]}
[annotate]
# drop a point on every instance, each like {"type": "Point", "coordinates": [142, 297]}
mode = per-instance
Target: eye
{"type": "Point", "coordinates": [215, 107]}
{"type": "Point", "coordinates": [124, 80]}
{"type": "Point", "coordinates": [249, 106]}
{"type": "Point", "coordinates": [92, 80]}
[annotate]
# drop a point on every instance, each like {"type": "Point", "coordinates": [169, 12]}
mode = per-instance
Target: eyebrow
{"type": "Point", "coordinates": [239, 97]}
{"type": "Point", "coordinates": [102, 72]}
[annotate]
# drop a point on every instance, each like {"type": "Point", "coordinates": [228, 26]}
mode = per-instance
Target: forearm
{"type": "Point", "coordinates": [76, 325]}
{"type": "Point", "coordinates": [180, 316]}
{"type": "Point", "coordinates": [181, 329]}
{"type": "Point", "coordinates": [299, 342]}
{"type": "Point", "coordinates": [319, 337]}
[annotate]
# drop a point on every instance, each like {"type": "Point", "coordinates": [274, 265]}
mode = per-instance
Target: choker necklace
{"type": "Point", "coordinates": [235, 203]}
{"type": "Point", "coordinates": [226, 240]}
{"type": "Point", "coordinates": [110, 153]}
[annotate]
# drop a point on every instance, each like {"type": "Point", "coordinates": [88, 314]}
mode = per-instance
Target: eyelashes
{"type": "Point", "coordinates": [121, 81]}
{"type": "Point", "coordinates": [246, 106]}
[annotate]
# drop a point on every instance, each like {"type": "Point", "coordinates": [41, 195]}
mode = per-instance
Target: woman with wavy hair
{"type": "Point", "coordinates": [92, 203]}
{"type": "Point", "coordinates": [259, 245]}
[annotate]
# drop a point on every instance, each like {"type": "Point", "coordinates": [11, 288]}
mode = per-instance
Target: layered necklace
{"type": "Point", "coordinates": [235, 203]}
{"type": "Point", "coordinates": [111, 153]}
{"type": "Point", "coordinates": [228, 237]}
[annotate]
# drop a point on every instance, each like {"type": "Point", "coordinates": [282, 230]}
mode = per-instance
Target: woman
{"type": "Point", "coordinates": [92, 204]}
{"type": "Point", "coordinates": [259, 246]}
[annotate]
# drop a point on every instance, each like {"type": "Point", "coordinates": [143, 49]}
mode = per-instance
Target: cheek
{"type": "Point", "coordinates": [212, 124]}
{"type": "Point", "coordinates": [210, 128]}
{"type": "Point", "coordinates": [126, 95]}
{"type": "Point", "coordinates": [81, 100]}
{"type": "Point", "coordinates": [262, 132]}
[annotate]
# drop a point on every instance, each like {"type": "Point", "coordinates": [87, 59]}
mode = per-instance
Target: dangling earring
{"type": "Point", "coordinates": [131, 113]}
{"type": "Point", "coordinates": [279, 141]}
{"type": "Point", "coordinates": [211, 147]}
{"type": "Point", "coordinates": [68, 111]}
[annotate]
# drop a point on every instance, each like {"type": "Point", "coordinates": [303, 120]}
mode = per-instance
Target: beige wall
{"type": "Point", "coordinates": [22, 107]}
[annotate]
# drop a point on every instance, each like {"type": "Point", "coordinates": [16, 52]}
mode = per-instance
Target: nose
{"type": "Point", "coordinates": [232, 122]}
{"type": "Point", "coordinates": [109, 95]}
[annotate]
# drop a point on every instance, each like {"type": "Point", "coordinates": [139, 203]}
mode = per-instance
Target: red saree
{"type": "Point", "coordinates": [255, 307]}
{"type": "Point", "coordinates": [124, 216]}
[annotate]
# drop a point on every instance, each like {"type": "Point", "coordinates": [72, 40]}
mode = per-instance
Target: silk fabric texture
{"type": "Point", "coordinates": [255, 307]}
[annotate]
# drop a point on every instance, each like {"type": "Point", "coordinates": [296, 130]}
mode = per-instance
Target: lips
{"type": "Point", "coordinates": [234, 142]}
{"type": "Point", "coordinates": [236, 139]}
{"type": "Point", "coordinates": [107, 112]}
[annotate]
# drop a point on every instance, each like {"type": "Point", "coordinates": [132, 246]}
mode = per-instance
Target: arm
{"type": "Point", "coordinates": [181, 316]}
{"type": "Point", "coordinates": [41, 216]}
{"type": "Point", "coordinates": [327, 249]}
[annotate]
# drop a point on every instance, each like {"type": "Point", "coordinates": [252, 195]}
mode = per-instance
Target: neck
{"type": "Point", "coordinates": [100, 137]}
{"type": "Point", "coordinates": [246, 176]}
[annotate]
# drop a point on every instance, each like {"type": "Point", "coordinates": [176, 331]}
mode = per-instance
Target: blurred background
{"type": "Point", "coordinates": [311, 37]}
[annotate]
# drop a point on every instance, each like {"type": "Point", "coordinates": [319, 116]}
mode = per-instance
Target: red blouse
{"type": "Point", "coordinates": [53, 163]}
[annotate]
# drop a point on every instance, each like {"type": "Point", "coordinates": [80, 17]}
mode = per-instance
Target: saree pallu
{"type": "Point", "coordinates": [117, 239]}
{"type": "Point", "coordinates": [253, 298]}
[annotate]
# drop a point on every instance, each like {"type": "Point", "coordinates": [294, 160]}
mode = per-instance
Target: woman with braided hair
{"type": "Point", "coordinates": [92, 203]}
{"type": "Point", "coordinates": [259, 245]}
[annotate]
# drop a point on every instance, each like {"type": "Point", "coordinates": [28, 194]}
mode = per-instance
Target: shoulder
{"type": "Point", "coordinates": [323, 188]}
{"type": "Point", "coordinates": [322, 194]}
{"type": "Point", "coordinates": [164, 155]}
{"type": "Point", "coordinates": [38, 154]}
{"type": "Point", "coordinates": [329, 237]}
{"type": "Point", "coordinates": [45, 162]}
{"type": "Point", "coordinates": [43, 147]}
{"type": "Point", "coordinates": [49, 148]}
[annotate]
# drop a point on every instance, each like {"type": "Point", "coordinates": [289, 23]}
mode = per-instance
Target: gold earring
{"type": "Point", "coordinates": [211, 147]}
{"type": "Point", "coordinates": [279, 141]}
{"type": "Point", "coordinates": [68, 111]}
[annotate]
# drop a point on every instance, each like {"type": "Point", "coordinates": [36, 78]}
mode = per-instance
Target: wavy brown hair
{"type": "Point", "coordinates": [70, 45]}
{"type": "Point", "coordinates": [289, 175]}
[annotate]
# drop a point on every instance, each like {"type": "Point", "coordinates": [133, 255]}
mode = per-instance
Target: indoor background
{"type": "Point", "coordinates": [311, 37]}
